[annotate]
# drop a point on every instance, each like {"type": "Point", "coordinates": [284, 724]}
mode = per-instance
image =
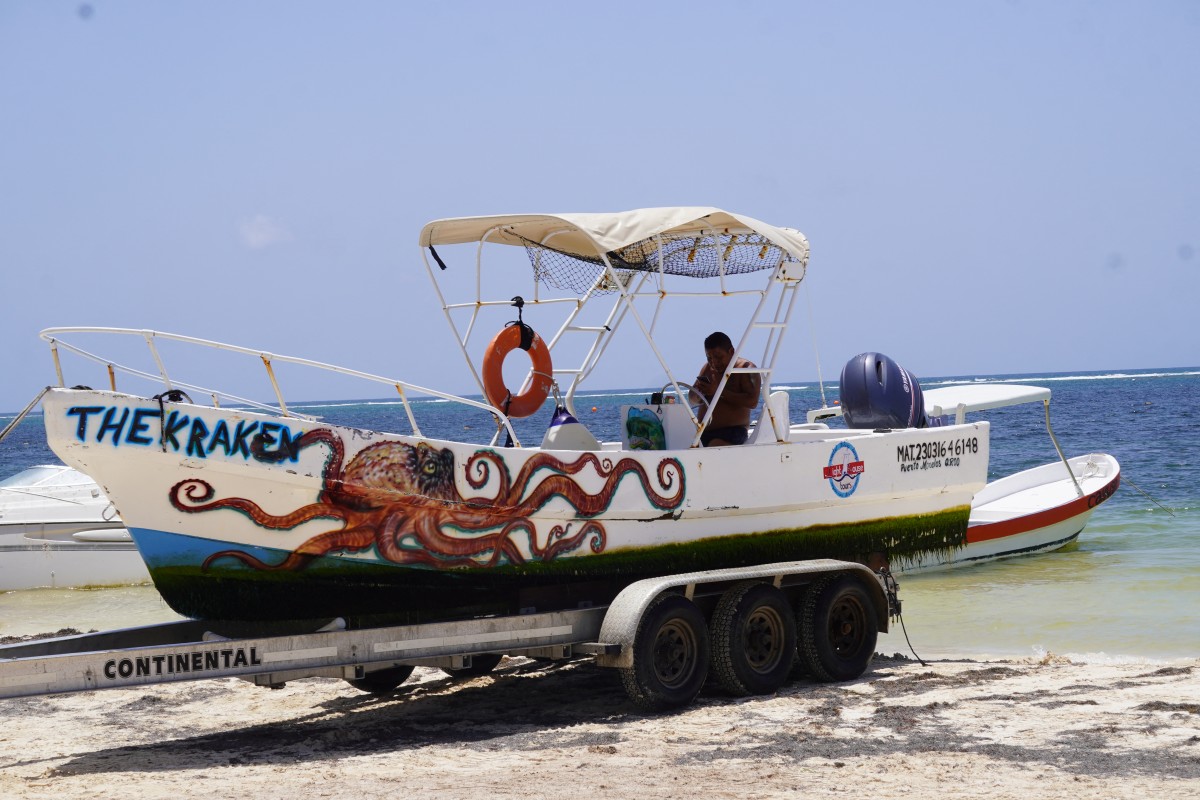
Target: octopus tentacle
{"type": "Point", "coordinates": [193, 495]}
{"type": "Point", "coordinates": [507, 548]}
{"type": "Point", "coordinates": [387, 540]}
{"type": "Point", "coordinates": [333, 489]}
{"type": "Point", "coordinates": [382, 500]}
{"type": "Point", "coordinates": [538, 461]}
{"type": "Point", "coordinates": [292, 561]}
{"type": "Point", "coordinates": [561, 543]}
{"type": "Point", "coordinates": [592, 504]}
{"type": "Point", "coordinates": [351, 540]}
{"type": "Point", "coordinates": [444, 552]}
{"type": "Point", "coordinates": [508, 496]}
{"type": "Point", "coordinates": [428, 530]}
{"type": "Point", "coordinates": [479, 469]}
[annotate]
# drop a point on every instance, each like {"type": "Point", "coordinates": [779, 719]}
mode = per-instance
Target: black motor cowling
{"type": "Point", "coordinates": [879, 393]}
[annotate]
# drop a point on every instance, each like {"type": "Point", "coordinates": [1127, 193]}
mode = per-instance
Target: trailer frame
{"type": "Point", "coordinates": [270, 654]}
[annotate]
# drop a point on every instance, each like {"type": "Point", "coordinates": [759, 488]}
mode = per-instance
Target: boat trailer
{"type": "Point", "coordinates": [753, 624]}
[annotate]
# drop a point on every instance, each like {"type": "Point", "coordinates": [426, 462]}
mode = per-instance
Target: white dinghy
{"type": "Point", "coordinates": [59, 530]}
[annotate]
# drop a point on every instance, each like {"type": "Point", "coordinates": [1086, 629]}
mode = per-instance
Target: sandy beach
{"type": "Point", "coordinates": [951, 728]}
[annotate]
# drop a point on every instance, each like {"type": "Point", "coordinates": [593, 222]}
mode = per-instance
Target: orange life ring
{"type": "Point", "coordinates": [529, 401]}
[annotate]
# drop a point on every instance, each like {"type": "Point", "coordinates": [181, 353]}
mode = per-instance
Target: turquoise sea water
{"type": "Point", "coordinates": [1130, 587]}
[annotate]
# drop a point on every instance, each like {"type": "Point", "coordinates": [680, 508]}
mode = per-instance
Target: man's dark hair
{"type": "Point", "coordinates": [718, 339]}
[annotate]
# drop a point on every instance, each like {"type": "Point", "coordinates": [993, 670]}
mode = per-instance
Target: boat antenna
{"type": "Point", "coordinates": [816, 352]}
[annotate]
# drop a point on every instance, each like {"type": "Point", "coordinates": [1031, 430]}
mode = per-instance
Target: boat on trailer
{"type": "Point", "coordinates": [249, 510]}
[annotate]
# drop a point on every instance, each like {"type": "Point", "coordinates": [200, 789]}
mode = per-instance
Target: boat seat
{"type": "Point", "coordinates": [777, 416]}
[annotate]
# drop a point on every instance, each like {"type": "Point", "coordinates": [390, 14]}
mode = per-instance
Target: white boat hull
{"type": "Point", "coordinates": [107, 557]}
{"type": "Point", "coordinates": [59, 530]}
{"type": "Point", "coordinates": [1035, 511]}
{"type": "Point", "coordinates": [241, 513]}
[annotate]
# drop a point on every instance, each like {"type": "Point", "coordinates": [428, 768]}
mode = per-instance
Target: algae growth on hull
{"type": "Point", "coordinates": [376, 592]}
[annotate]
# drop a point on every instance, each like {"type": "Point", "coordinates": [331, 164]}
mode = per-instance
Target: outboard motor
{"type": "Point", "coordinates": [879, 393]}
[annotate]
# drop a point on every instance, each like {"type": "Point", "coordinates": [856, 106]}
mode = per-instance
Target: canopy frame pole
{"type": "Point", "coordinates": [627, 300]}
{"type": "Point", "coordinates": [1053, 438]}
{"type": "Point", "coordinates": [502, 420]}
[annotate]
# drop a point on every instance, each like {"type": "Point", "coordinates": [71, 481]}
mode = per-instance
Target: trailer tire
{"type": "Point", "coordinates": [382, 681]}
{"type": "Point", "coordinates": [753, 639]}
{"type": "Point", "coordinates": [670, 655]}
{"type": "Point", "coordinates": [481, 664]}
{"type": "Point", "coordinates": [838, 629]}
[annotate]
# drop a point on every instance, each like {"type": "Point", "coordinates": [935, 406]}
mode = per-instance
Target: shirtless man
{"type": "Point", "coordinates": [731, 418]}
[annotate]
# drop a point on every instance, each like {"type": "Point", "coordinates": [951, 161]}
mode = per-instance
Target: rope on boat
{"type": "Point", "coordinates": [171, 396]}
{"type": "Point", "coordinates": [1125, 479]}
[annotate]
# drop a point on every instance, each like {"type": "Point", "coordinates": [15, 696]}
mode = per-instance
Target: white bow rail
{"type": "Point", "coordinates": [54, 336]}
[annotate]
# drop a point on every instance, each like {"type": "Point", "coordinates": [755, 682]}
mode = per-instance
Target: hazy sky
{"type": "Point", "coordinates": [988, 187]}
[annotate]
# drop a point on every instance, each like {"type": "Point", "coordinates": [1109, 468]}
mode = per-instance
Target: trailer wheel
{"type": "Point", "coordinates": [481, 664]}
{"type": "Point", "coordinates": [670, 655]}
{"type": "Point", "coordinates": [382, 681]}
{"type": "Point", "coordinates": [838, 629]}
{"type": "Point", "coordinates": [753, 639]}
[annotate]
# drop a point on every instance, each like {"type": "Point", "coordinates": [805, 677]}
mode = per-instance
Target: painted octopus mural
{"type": "Point", "coordinates": [402, 500]}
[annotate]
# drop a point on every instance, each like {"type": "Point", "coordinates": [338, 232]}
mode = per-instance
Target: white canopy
{"type": "Point", "coordinates": [591, 235]}
{"type": "Point", "coordinates": [980, 397]}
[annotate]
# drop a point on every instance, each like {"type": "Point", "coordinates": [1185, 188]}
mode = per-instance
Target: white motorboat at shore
{"type": "Point", "coordinates": [59, 530]}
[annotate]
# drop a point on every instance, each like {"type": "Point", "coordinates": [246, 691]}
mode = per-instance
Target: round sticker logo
{"type": "Point", "coordinates": [844, 469]}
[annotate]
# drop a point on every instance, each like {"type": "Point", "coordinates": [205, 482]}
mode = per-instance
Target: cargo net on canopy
{"type": "Point", "coordinates": [691, 256]}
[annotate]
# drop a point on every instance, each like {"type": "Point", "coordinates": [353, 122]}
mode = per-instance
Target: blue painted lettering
{"type": "Point", "coordinates": [270, 442]}
{"type": "Point", "coordinates": [220, 438]}
{"type": "Point", "coordinates": [195, 445]}
{"type": "Point", "coordinates": [289, 445]}
{"type": "Point", "coordinates": [288, 448]}
{"type": "Point", "coordinates": [83, 412]}
{"type": "Point", "coordinates": [239, 438]}
{"type": "Point", "coordinates": [175, 423]}
{"type": "Point", "coordinates": [140, 425]}
{"type": "Point", "coordinates": [109, 425]}
{"type": "Point", "coordinates": [267, 436]}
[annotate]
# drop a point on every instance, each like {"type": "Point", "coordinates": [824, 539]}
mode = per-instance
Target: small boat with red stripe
{"type": "Point", "coordinates": [1034, 511]}
{"type": "Point", "coordinates": [1037, 510]}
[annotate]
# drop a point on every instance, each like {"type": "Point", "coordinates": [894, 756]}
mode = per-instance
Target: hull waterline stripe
{"type": "Point", "coordinates": [1042, 519]}
{"type": "Point", "coordinates": [1020, 551]}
